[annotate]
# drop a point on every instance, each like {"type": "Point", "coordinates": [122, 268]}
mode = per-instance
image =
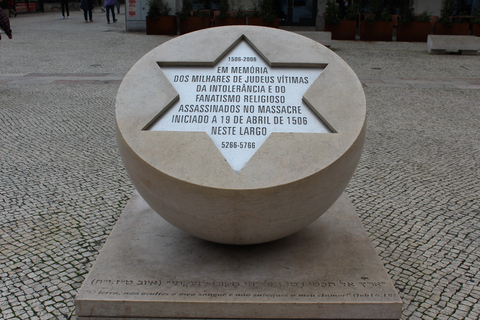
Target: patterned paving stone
{"type": "Point", "coordinates": [63, 192]}
{"type": "Point", "coordinates": [417, 192]}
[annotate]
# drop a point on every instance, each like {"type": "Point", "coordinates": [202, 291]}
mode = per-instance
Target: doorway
{"type": "Point", "coordinates": [298, 12]}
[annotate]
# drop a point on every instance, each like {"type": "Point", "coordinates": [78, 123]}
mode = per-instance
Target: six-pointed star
{"type": "Point", "coordinates": [239, 102]}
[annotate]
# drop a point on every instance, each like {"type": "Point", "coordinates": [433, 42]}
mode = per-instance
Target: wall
{"type": "Point", "coordinates": [320, 18]}
{"type": "Point", "coordinates": [432, 6]}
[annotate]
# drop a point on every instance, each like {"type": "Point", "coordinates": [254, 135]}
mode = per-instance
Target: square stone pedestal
{"type": "Point", "coordinates": [150, 269]}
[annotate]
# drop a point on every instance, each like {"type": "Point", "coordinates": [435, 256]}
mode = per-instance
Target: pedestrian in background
{"type": "Point", "coordinates": [5, 24]}
{"type": "Point", "coordinates": [11, 8]}
{"type": "Point", "coordinates": [109, 6]}
{"type": "Point", "coordinates": [64, 4]}
{"type": "Point", "coordinates": [87, 7]}
{"type": "Point", "coordinates": [101, 6]}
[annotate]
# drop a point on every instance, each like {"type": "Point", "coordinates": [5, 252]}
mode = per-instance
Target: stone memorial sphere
{"type": "Point", "coordinates": [240, 135]}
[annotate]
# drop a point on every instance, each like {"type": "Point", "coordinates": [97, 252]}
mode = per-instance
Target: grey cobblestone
{"type": "Point", "coordinates": [424, 173]}
{"type": "Point", "coordinates": [62, 184]}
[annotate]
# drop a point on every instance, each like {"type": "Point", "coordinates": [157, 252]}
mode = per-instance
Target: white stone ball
{"type": "Point", "coordinates": [290, 181]}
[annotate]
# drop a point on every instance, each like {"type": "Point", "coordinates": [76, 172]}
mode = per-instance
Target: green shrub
{"type": "Point", "coordinates": [158, 8]}
{"type": "Point", "coordinates": [423, 17]}
{"type": "Point", "coordinates": [332, 13]}
{"type": "Point", "coordinates": [224, 7]}
{"type": "Point", "coordinates": [448, 9]}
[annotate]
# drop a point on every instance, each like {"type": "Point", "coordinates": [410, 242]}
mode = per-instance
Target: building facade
{"type": "Point", "coordinates": [307, 13]}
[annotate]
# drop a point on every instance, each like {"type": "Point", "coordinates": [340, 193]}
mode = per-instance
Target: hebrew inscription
{"type": "Point", "coordinates": [239, 102]}
{"type": "Point", "coordinates": [334, 289]}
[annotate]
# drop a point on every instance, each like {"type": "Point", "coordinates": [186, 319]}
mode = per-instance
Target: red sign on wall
{"type": "Point", "coordinates": [132, 8]}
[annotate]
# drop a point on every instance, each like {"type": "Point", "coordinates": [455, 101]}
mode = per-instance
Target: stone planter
{"type": "Point", "coordinates": [230, 21]}
{"type": "Point", "coordinates": [193, 24]}
{"type": "Point", "coordinates": [476, 29]}
{"type": "Point", "coordinates": [254, 21]}
{"type": "Point", "coordinates": [345, 30]}
{"type": "Point", "coordinates": [456, 28]}
{"type": "Point", "coordinates": [414, 31]}
{"type": "Point", "coordinates": [378, 31]}
{"type": "Point", "coordinates": [162, 26]}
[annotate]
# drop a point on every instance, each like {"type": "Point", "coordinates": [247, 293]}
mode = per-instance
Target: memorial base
{"type": "Point", "coordinates": [149, 269]}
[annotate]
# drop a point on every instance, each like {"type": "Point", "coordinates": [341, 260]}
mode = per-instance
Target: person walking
{"type": "Point", "coordinates": [110, 6]}
{"type": "Point", "coordinates": [5, 24]}
{"type": "Point", "coordinates": [64, 4]}
{"type": "Point", "coordinates": [100, 5]}
{"type": "Point", "coordinates": [87, 7]}
{"type": "Point", "coordinates": [11, 9]}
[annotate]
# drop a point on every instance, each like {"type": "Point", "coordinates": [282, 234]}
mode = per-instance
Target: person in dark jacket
{"type": "Point", "coordinates": [87, 7]}
{"type": "Point", "coordinates": [5, 24]}
{"type": "Point", "coordinates": [64, 5]}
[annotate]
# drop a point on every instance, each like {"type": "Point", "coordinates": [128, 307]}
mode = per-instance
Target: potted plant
{"type": "Point", "coordinates": [239, 12]}
{"type": "Point", "coordinates": [225, 17]}
{"type": "Point", "coordinates": [413, 28]}
{"type": "Point", "coordinates": [254, 15]}
{"type": "Point", "coordinates": [191, 20]}
{"type": "Point", "coordinates": [159, 20]}
{"type": "Point", "coordinates": [449, 24]}
{"type": "Point", "coordinates": [377, 25]}
{"type": "Point", "coordinates": [342, 28]}
{"type": "Point", "coordinates": [264, 13]}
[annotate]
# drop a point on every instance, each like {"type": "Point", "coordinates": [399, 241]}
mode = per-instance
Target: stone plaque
{"type": "Point", "coordinates": [241, 134]}
{"type": "Point", "coordinates": [240, 101]}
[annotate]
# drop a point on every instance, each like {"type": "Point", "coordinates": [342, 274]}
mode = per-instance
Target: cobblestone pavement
{"type": "Point", "coordinates": [62, 184]}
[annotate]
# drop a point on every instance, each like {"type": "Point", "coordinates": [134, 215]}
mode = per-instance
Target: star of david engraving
{"type": "Point", "coordinates": [240, 101]}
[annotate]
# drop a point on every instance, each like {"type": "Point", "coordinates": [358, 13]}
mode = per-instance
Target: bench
{"type": "Point", "coordinates": [323, 37]}
{"type": "Point", "coordinates": [453, 44]}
